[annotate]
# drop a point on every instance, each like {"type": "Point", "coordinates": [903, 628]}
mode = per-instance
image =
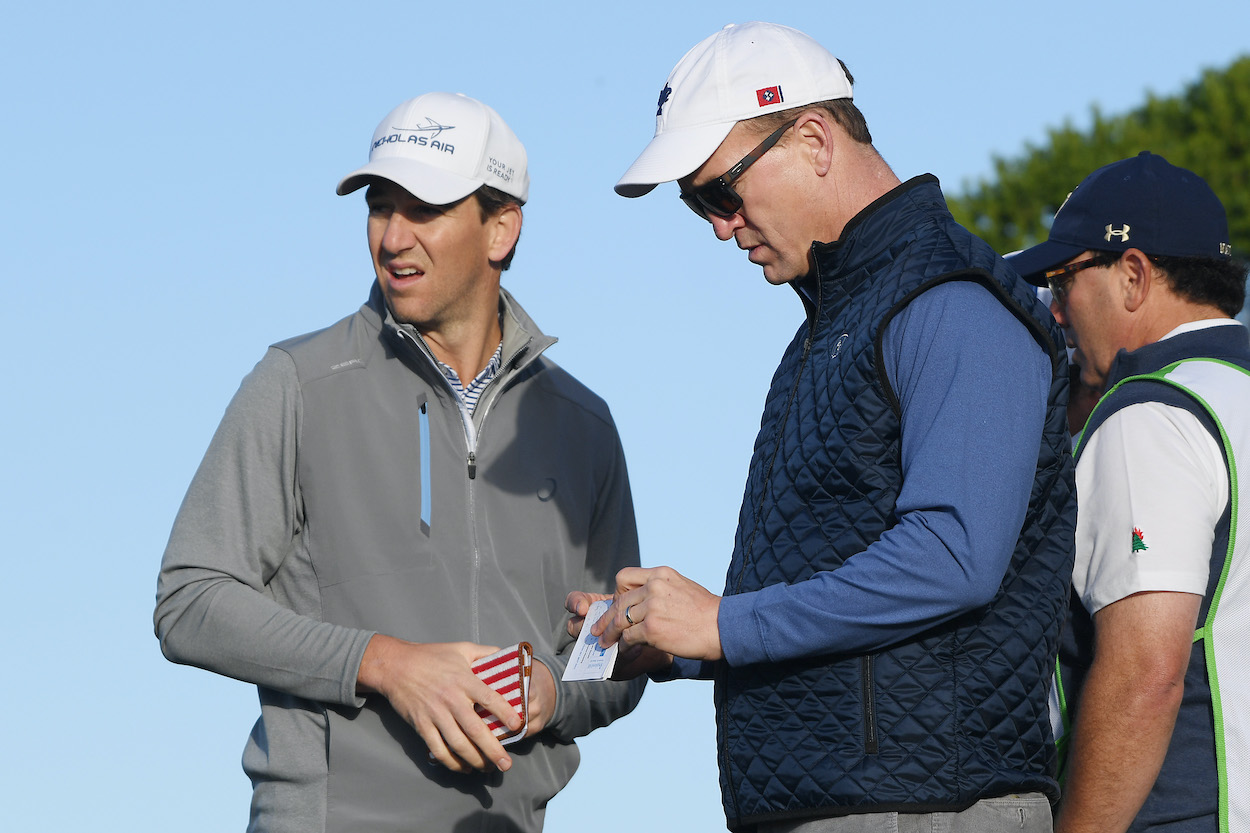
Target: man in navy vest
{"type": "Point", "coordinates": [1153, 669]}
{"type": "Point", "coordinates": [884, 644]}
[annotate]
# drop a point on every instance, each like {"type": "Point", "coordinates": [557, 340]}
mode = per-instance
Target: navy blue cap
{"type": "Point", "coordinates": [1142, 203]}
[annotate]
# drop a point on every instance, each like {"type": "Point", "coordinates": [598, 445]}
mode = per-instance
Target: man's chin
{"type": "Point", "coordinates": [1091, 379]}
{"type": "Point", "coordinates": [778, 276]}
{"type": "Point", "coordinates": [774, 272]}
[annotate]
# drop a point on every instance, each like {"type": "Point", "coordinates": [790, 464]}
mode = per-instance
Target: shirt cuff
{"type": "Point", "coordinates": [684, 669]}
{"type": "Point", "coordinates": [741, 639]}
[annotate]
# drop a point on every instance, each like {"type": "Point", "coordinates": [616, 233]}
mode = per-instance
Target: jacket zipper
{"type": "Point", "coordinates": [470, 507]}
{"type": "Point", "coordinates": [471, 437]}
{"type": "Point", "coordinates": [471, 434]}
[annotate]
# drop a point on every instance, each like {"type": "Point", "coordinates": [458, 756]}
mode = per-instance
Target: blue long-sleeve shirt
{"type": "Point", "coordinates": [972, 384]}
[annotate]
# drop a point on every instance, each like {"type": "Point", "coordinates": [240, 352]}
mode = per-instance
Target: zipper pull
{"type": "Point", "coordinates": [472, 465]}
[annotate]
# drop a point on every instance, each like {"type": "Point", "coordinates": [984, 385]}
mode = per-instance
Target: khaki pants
{"type": "Point", "coordinates": [1029, 813]}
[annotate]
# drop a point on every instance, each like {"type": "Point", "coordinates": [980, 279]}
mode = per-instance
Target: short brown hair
{"type": "Point", "coordinates": [1211, 281]}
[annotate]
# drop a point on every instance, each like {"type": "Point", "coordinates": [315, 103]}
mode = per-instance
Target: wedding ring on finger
{"type": "Point", "coordinates": [629, 618]}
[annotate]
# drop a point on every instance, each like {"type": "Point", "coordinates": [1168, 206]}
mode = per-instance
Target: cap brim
{"type": "Point", "coordinates": [1032, 263]}
{"type": "Point", "coordinates": [426, 183]}
{"type": "Point", "coordinates": [671, 156]}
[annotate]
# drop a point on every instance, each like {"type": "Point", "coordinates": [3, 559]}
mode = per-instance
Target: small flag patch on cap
{"type": "Point", "coordinates": [769, 95]}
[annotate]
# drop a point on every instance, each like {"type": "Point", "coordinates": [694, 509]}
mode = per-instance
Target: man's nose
{"type": "Point", "coordinates": [1057, 310]}
{"type": "Point", "coordinates": [398, 236]}
{"type": "Point", "coordinates": [724, 227]}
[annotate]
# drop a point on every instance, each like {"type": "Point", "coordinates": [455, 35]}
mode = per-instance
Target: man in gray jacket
{"type": "Point", "coordinates": [394, 497]}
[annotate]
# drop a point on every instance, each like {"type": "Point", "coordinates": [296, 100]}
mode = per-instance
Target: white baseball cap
{"type": "Point", "coordinates": [743, 71]}
{"type": "Point", "coordinates": [441, 147]}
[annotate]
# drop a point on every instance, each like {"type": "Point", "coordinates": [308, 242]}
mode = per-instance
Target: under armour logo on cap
{"type": "Point", "coordinates": [1120, 234]}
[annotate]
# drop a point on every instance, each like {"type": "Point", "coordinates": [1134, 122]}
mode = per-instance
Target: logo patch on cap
{"type": "Point", "coordinates": [769, 95]}
{"type": "Point", "coordinates": [417, 136]}
{"type": "Point", "coordinates": [1120, 234]}
{"type": "Point", "coordinates": [664, 94]}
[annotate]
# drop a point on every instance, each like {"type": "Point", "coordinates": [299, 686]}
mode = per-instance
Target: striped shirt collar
{"type": "Point", "coordinates": [469, 395]}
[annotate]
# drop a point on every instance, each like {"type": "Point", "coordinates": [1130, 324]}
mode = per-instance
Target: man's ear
{"type": "Point", "coordinates": [1137, 278]}
{"type": "Point", "coordinates": [505, 229]}
{"type": "Point", "coordinates": [814, 132]}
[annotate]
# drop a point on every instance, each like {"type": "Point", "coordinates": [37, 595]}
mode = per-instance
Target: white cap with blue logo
{"type": "Point", "coordinates": [743, 71]}
{"type": "Point", "coordinates": [441, 147]}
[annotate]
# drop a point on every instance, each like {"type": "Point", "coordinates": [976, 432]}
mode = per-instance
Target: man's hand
{"type": "Point", "coordinates": [433, 687]}
{"type": "Point", "coordinates": [578, 603]}
{"type": "Point", "coordinates": [661, 608]}
{"type": "Point", "coordinates": [631, 660]}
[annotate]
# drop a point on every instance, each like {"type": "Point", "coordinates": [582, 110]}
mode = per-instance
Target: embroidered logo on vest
{"type": "Point", "coordinates": [837, 345]}
{"type": "Point", "coordinates": [1139, 541]}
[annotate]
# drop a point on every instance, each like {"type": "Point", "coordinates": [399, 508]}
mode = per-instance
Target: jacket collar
{"type": "Point", "coordinates": [523, 341]}
{"type": "Point", "coordinates": [882, 223]}
{"type": "Point", "coordinates": [1223, 341]}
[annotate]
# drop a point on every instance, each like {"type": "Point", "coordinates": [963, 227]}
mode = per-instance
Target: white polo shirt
{"type": "Point", "coordinates": [1152, 485]}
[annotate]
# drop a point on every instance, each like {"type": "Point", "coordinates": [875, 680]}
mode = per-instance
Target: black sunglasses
{"type": "Point", "coordinates": [718, 196]}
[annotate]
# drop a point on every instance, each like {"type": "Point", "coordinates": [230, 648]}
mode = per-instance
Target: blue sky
{"type": "Point", "coordinates": [171, 211]}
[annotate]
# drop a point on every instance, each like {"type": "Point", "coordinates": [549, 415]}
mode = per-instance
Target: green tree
{"type": "Point", "coordinates": [1206, 128]}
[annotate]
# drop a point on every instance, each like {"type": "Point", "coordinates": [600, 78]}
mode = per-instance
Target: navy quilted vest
{"type": "Point", "coordinates": [959, 713]}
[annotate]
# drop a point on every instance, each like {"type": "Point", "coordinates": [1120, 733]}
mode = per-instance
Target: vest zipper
{"type": "Point", "coordinates": [768, 470]}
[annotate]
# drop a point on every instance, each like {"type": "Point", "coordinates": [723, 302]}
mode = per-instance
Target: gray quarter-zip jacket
{"type": "Point", "coordinates": [347, 493]}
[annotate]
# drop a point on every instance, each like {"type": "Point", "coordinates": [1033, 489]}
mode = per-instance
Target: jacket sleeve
{"type": "Point", "coordinates": [237, 527]}
{"type": "Point", "coordinates": [582, 707]}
